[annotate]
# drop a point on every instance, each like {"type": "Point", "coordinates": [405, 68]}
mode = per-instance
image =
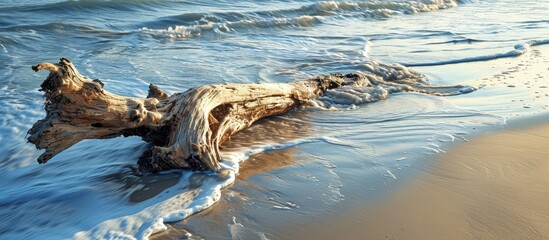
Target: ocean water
{"type": "Point", "coordinates": [347, 154]}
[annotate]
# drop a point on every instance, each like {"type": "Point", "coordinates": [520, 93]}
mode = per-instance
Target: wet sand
{"type": "Point", "coordinates": [494, 187]}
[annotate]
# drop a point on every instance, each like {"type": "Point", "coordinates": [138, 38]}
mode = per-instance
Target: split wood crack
{"type": "Point", "coordinates": [186, 129]}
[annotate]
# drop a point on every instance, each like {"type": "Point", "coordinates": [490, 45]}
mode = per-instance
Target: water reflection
{"type": "Point", "coordinates": [141, 187]}
{"type": "Point", "coordinates": [267, 131]}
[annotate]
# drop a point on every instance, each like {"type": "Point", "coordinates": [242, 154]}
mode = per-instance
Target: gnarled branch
{"type": "Point", "coordinates": [187, 128]}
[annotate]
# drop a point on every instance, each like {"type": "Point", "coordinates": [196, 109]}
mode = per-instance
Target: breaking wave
{"type": "Point", "coordinates": [195, 24]}
{"type": "Point", "coordinates": [182, 32]}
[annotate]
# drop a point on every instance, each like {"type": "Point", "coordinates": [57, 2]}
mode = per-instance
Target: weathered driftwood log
{"type": "Point", "coordinates": [185, 129]}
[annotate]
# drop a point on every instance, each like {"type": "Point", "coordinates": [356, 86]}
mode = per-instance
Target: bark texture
{"type": "Point", "coordinates": [185, 129]}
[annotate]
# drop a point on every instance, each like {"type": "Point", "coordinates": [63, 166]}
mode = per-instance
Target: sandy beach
{"type": "Point", "coordinates": [494, 187]}
{"type": "Point", "coordinates": [425, 144]}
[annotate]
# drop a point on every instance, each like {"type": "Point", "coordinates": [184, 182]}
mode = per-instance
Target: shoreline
{"type": "Point", "coordinates": [431, 199]}
{"type": "Point", "coordinates": [494, 187]}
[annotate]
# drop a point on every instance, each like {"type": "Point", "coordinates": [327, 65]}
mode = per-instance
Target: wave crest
{"type": "Point", "coordinates": [406, 7]}
{"type": "Point", "coordinates": [183, 32]}
{"type": "Point", "coordinates": [196, 24]}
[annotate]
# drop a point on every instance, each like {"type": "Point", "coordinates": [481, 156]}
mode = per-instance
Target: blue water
{"type": "Point", "coordinates": [92, 190]}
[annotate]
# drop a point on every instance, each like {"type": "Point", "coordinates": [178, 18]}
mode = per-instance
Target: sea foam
{"type": "Point", "coordinates": [197, 192]}
{"type": "Point", "coordinates": [305, 16]}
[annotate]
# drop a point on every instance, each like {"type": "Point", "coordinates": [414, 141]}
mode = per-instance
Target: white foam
{"type": "Point", "coordinates": [386, 8]}
{"type": "Point", "coordinates": [379, 81]}
{"type": "Point", "coordinates": [306, 16]}
{"type": "Point", "coordinates": [184, 32]}
{"type": "Point", "coordinates": [150, 220]}
{"type": "Point", "coordinates": [178, 32]}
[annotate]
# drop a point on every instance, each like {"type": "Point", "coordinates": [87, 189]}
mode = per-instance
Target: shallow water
{"type": "Point", "coordinates": [92, 190]}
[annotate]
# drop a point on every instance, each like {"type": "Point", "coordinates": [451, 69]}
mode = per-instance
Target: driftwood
{"type": "Point", "coordinates": [186, 129]}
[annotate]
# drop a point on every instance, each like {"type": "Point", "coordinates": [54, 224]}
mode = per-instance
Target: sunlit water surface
{"type": "Point", "coordinates": [308, 163]}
